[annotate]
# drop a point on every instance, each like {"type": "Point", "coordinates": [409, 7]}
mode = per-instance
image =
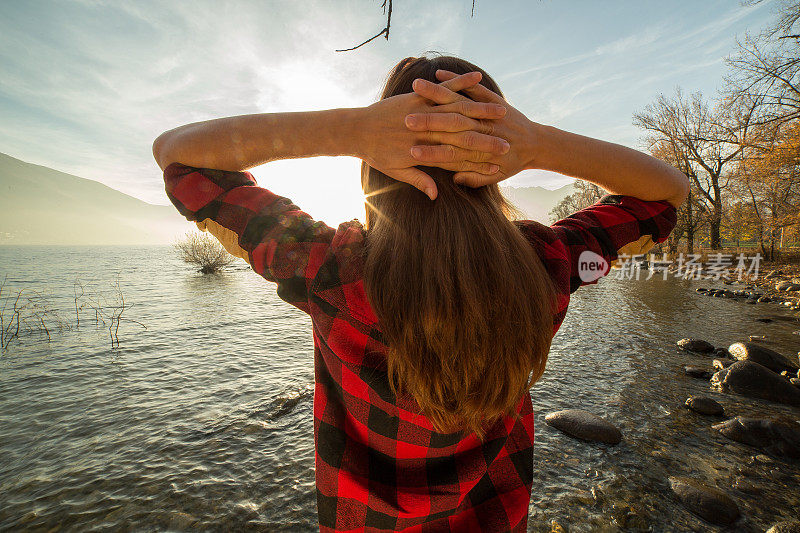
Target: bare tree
{"type": "Point", "coordinates": [692, 214]}
{"type": "Point", "coordinates": [706, 142]}
{"type": "Point", "coordinates": [766, 66]}
{"type": "Point", "coordinates": [204, 251]}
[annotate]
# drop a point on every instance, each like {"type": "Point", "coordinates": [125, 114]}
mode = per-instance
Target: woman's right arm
{"type": "Point", "coordinates": [616, 168]}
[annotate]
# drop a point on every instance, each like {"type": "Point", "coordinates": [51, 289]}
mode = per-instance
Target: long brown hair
{"type": "Point", "coordinates": [463, 300]}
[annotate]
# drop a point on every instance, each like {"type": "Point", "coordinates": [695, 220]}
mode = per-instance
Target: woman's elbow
{"type": "Point", "coordinates": [682, 192]}
{"type": "Point", "coordinates": [161, 150]}
{"type": "Point", "coordinates": [158, 150]}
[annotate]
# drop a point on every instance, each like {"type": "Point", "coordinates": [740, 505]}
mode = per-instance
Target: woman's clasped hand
{"type": "Point", "coordinates": [514, 127]}
{"type": "Point", "coordinates": [442, 129]}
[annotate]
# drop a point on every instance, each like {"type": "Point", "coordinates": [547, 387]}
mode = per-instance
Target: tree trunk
{"type": "Point", "coordinates": [690, 223]}
{"type": "Point", "coordinates": [714, 234]}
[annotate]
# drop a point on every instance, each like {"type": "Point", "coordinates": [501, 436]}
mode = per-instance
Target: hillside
{"type": "Point", "coordinates": [536, 202]}
{"type": "Point", "coordinates": [39, 205]}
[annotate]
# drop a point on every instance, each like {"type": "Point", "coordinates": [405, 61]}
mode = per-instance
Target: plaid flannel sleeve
{"type": "Point", "coordinates": [278, 240]}
{"type": "Point", "coordinates": [613, 226]}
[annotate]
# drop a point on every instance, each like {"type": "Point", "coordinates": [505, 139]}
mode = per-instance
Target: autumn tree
{"type": "Point", "coordinates": [585, 194]}
{"type": "Point", "coordinates": [740, 223]}
{"type": "Point", "coordinates": [770, 177]}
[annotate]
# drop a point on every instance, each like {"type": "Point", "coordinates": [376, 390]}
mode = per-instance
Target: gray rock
{"type": "Point", "coordinates": [779, 436]}
{"type": "Point", "coordinates": [790, 526]}
{"type": "Point", "coordinates": [719, 364]}
{"type": "Point", "coordinates": [721, 353]}
{"type": "Point", "coordinates": [748, 351]}
{"type": "Point", "coordinates": [584, 425]}
{"type": "Point", "coordinates": [756, 381]}
{"type": "Point", "coordinates": [709, 503]}
{"type": "Point", "coordinates": [704, 405]}
{"type": "Point", "coordinates": [695, 345]}
{"type": "Point", "coordinates": [697, 372]}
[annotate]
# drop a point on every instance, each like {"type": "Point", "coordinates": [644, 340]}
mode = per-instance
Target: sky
{"type": "Point", "coordinates": [87, 85]}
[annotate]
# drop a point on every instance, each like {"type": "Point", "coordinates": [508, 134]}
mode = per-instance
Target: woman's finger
{"type": "Point", "coordinates": [475, 179]}
{"type": "Point", "coordinates": [436, 92]}
{"type": "Point", "coordinates": [445, 93]}
{"type": "Point", "coordinates": [469, 140]}
{"type": "Point", "coordinates": [464, 81]}
{"type": "Point", "coordinates": [456, 117]}
{"type": "Point", "coordinates": [416, 178]}
{"type": "Point", "coordinates": [449, 122]}
{"type": "Point", "coordinates": [470, 166]}
{"type": "Point", "coordinates": [473, 109]}
{"type": "Point", "coordinates": [478, 92]}
{"type": "Point", "coordinates": [433, 154]}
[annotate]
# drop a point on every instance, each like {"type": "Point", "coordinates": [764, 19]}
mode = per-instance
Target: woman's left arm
{"type": "Point", "coordinates": [376, 133]}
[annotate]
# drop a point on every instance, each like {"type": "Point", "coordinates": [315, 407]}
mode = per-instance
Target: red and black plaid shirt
{"type": "Point", "coordinates": [380, 466]}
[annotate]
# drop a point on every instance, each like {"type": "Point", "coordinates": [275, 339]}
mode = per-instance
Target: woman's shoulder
{"type": "Point", "coordinates": [340, 280]}
{"type": "Point", "coordinates": [545, 239]}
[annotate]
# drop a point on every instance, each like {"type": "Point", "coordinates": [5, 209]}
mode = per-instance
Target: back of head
{"type": "Point", "coordinates": [464, 303]}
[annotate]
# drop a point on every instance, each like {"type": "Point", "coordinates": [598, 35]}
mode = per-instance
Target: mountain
{"type": "Point", "coordinates": [536, 202]}
{"type": "Point", "coordinates": [39, 205]}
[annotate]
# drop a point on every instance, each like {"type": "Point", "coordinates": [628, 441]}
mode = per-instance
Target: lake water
{"type": "Point", "coordinates": [204, 420]}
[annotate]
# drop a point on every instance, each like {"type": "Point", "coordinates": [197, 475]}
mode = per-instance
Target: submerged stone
{"type": "Point", "coordinates": [704, 405]}
{"type": "Point", "coordinates": [779, 436]}
{"type": "Point", "coordinates": [709, 503]}
{"type": "Point", "coordinates": [584, 425]}
{"type": "Point", "coordinates": [697, 372]}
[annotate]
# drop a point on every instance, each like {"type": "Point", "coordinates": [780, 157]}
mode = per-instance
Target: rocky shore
{"type": "Point", "coordinates": [746, 369]}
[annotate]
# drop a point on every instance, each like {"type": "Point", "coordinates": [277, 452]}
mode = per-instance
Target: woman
{"type": "Point", "coordinates": [431, 322]}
